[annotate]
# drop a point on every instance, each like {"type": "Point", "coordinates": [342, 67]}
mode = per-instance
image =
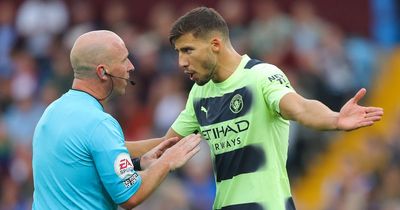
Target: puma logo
{"type": "Point", "coordinates": [203, 109]}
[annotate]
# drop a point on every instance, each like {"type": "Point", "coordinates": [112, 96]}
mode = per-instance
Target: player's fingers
{"type": "Point", "coordinates": [171, 141]}
{"type": "Point", "coordinates": [374, 109]}
{"type": "Point", "coordinates": [185, 157]}
{"type": "Point", "coordinates": [186, 144]}
{"type": "Point", "coordinates": [372, 114]}
{"type": "Point", "coordinates": [185, 139]}
{"type": "Point", "coordinates": [192, 152]}
{"type": "Point", "coordinates": [167, 143]}
{"type": "Point", "coordinates": [366, 123]}
{"type": "Point", "coordinates": [359, 95]}
{"type": "Point", "coordinates": [373, 118]}
{"type": "Point", "coordinates": [192, 142]}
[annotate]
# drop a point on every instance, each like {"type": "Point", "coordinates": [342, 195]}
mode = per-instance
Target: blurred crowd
{"type": "Point", "coordinates": [322, 60]}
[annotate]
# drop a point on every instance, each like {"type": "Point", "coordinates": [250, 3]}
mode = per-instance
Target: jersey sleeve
{"type": "Point", "coordinates": [274, 85]}
{"type": "Point", "coordinates": [113, 162]}
{"type": "Point", "coordinates": [186, 123]}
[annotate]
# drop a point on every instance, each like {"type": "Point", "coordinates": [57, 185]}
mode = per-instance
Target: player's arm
{"type": "Point", "coordinates": [139, 148]}
{"type": "Point", "coordinates": [170, 158]}
{"type": "Point", "coordinates": [142, 154]}
{"type": "Point", "coordinates": [171, 134]}
{"type": "Point", "coordinates": [315, 114]}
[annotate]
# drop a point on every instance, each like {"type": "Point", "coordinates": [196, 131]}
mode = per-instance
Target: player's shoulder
{"type": "Point", "coordinates": [262, 69]}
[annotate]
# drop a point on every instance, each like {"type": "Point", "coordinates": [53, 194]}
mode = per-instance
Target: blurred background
{"type": "Point", "coordinates": [328, 49]}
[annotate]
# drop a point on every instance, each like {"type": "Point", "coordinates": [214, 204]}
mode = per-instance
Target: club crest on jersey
{"type": "Point", "coordinates": [236, 104]}
{"type": "Point", "coordinates": [123, 166]}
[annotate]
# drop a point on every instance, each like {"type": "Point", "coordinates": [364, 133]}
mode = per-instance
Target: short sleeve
{"type": "Point", "coordinates": [113, 162]}
{"type": "Point", "coordinates": [274, 86]}
{"type": "Point", "coordinates": [186, 123]}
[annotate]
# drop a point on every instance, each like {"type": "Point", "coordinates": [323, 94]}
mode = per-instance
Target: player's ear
{"type": "Point", "coordinates": [216, 44]}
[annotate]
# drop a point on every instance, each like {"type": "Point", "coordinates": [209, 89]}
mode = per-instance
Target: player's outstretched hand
{"type": "Point", "coordinates": [149, 157]}
{"type": "Point", "coordinates": [177, 155]}
{"type": "Point", "coordinates": [353, 116]}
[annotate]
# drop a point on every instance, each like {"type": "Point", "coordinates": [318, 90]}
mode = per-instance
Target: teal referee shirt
{"type": "Point", "coordinates": [79, 157]}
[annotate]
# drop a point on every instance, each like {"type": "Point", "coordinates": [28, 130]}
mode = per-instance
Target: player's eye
{"type": "Point", "coordinates": [187, 50]}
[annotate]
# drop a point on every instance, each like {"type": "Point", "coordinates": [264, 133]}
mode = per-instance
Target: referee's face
{"type": "Point", "coordinates": [121, 67]}
{"type": "Point", "coordinates": [196, 58]}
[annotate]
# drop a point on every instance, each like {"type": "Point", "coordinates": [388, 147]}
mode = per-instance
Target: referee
{"type": "Point", "coordinates": [79, 156]}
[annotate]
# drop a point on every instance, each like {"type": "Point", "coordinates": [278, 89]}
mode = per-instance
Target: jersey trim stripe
{"type": "Point", "coordinates": [251, 63]}
{"type": "Point", "coordinates": [240, 161]}
{"type": "Point", "coordinates": [290, 204]}
{"type": "Point", "coordinates": [243, 206]}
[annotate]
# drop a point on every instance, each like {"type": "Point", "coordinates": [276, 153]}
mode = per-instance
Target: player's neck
{"type": "Point", "coordinates": [227, 65]}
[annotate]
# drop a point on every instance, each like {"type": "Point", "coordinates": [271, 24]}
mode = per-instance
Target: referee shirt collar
{"type": "Point", "coordinates": [92, 98]}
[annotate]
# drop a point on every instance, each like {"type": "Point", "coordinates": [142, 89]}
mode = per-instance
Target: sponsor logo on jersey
{"type": "Point", "coordinates": [225, 130]}
{"type": "Point", "coordinates": [124, 169]}
{"type": "Point", "coordinates": [279, 78]}
{"type": "Point", "coordinates": [203, 109]}
{"type": "Point", "coordinates": [131, 180]}
{"type": "Point", "coordinates": [123, 165]}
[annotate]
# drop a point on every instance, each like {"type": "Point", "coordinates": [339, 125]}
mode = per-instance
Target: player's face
{"type": "Point", "coordinates": [196, 58]}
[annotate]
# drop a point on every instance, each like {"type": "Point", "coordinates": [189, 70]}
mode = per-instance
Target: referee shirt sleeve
{"type": "Point", "coordinates": [113, 162]}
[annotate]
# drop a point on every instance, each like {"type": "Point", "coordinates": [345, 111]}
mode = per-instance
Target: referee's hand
{"type": "Point", "coordinates": [148, 158]}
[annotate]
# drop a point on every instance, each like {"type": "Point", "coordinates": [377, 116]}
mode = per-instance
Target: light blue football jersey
{"type": "Point", "coordinates": [79, 157]}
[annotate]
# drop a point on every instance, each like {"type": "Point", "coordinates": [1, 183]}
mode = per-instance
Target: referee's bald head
{"type": "Point", "coordinates": [92, 49]}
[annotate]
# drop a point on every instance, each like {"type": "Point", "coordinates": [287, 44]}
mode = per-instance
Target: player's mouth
{"type": "Point", "coordinates": [190, 74]}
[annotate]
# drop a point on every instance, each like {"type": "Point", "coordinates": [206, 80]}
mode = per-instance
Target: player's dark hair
{"type": "Point", "coordinates": [200, 22]}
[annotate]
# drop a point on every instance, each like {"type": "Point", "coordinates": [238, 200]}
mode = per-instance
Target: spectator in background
{"type": "Point", "coordinates": [10, 195]}
{"type": "Point", "coordinates": [7, 38]}
{"type": "Point", "coordinates": [270, 32]}
{"type": "Point", "coordinates": [61, 75]}
{"type": "Point", "coordinates": [170, 102]}
{"type": "Point", "coordinates": [363, 60]}
{"type": "Point", "coordinates": [134, 115]}
{"type": "Point", "coordinates": [385, 28]}
{"type": "Point", "coordinates": [334, 69]}
{"type": "Point", "coordinates": [350, 189]}
{"type": "Point", "coordinates": [235, 14]}
{"type": "Point", "coordinates": [83, 20]}
{"type": "Point", "coordinates": [5, 150]}
{"type": "Point", "coordinates": [115, 14]}
{"type": "Point", "coordinates": [162, 15]}
{"type": "Point", "coordinates": [307, 28]}
{"type": "Point", "coordinates": [171, 195]}
{"type": "Point", "coordinates": [26, 109]}
{"type": "Point", "coordinates": [39, 21]}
